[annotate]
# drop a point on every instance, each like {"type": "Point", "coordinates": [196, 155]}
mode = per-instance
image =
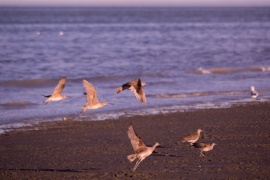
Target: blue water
{"type": "Point", "coordinates": [191, 57]}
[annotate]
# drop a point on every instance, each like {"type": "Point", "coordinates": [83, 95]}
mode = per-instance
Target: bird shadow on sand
{"type": "Point", "coordinates": [156, 153]}
{"type": "Point", "coordinates": [51, 170]}
{"type": "Point", "coordinates": [159, 146]}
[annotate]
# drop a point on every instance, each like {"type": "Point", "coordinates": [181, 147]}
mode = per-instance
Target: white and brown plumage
{"type": "Point", "coordinates": [140, 149]}
{"type": "Point", "coordinates": [57, 92]}
{"type": "Point", "coordinates": [253, 92]}
{"type": "Point", "coordinates": [204, 147]}
{"type": "Point", "coordinates": [91, 97]}
{"type": "Point", "coordinates": [193, 137]}
{"type": "Point", "coordinates": [135, 86]}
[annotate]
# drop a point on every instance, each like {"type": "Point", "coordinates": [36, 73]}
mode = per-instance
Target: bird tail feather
{"type": "Point", "coordinates": [47, 101]}
{"type": "Point", "coordinates": [47, 95]}
{"type": "Point", "coordinates": [131, 157]}
{"type": "Point", "coordinates": [184, 140]}
{"type": "Point", "coordinates": [83, 109]}
{"type": "Point", "coordinates": [119, 89]}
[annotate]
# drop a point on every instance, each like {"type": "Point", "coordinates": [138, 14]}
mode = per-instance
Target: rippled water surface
{"type": "Point", "coordinates": [191, 57]}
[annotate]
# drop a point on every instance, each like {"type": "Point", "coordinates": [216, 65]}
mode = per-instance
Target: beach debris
{"type": "Point", "coordinates": [192, 137]}
{"type": "Point", "coordinates": [57, 92]}
{"type": "Point", "coordinates": [253, 92]}
{"type": "Point", "coordinates": [91, 97]}
{"type": "Point", "coordinates": [140, 149]}
{"type": "Point", "coordinates": [204, 147]}
{"type": "Point", "coordinates": [135, 86]}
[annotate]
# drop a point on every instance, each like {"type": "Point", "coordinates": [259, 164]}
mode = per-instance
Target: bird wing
{"type": "Point", "coordinates": [189, 137]}
{"type": "Point", "coordinates": [135, 139]}
{"type": "Point", "coordinates": [138, 90]}
{"type": "Point", "coordinates": [91, 93]}
{"type": "Point", "coordinates": [130, 85]}
{"type": "Point", "coordinates": [254, 92]}
{"type": "Point", "coordinates": [133, 82]}
{"type": "Point", "coordinates": [60, 86]}
{"type": "Point", "coordinates": [141, 95]}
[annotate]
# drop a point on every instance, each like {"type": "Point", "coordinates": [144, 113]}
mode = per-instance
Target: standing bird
{"type": "Point", "coordinates": [204, 147]}
{"type": "Point", "coordinates": [91, 97]}
{"type": "Point", "coordinates": [193, 137]}
{"type": "Point", "coordinates": [253, 92]}
{"type": "Point", "coordinates": [57, 92]}
{"type": "Point", "coordinates": [140, 149]}
{"type": "Point", "coordinates": [135, 86]}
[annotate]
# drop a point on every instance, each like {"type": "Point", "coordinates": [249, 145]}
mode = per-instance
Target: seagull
{"type": "Point", "coordinates": [91, 97]}
{"type": "Point", "coordinates": [140, 149]}
{"type": "Point", "coordinates": [193, 137]}
{"type": "Point", "coordinates": [204, 147]}
{"type": "Point", "coordinates": [253, 92]}
{"type": "Point", "coordinates": [57, 92]}
{"type": "Point", "coordinates": [135, 86]}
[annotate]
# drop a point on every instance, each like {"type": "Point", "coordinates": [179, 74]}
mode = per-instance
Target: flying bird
{"type": "Point", "coordinates": [91, 97]}
{"type": "Point", "coordinates": [140, 149]}
{"type": "Point", "coordinates": [253, 92]}
{"type": "Point", "coordinates": [204, 147]}
{"type": "Point", "coordinates": [193, 137]}
{"type": "Point", "coordinates": [135, 86]}
{"type": "Point", "coordinates": [57, 92]}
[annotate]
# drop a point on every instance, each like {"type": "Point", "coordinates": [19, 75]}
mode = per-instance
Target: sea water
{"type": "Point", "coordinates": [192, 58]}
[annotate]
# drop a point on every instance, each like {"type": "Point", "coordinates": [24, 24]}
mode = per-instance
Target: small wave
{"type": "Point", "coordinates": [201, 71]}
{"type": "Point", "coordinates": [229, 70]}
{"type": "Point", "coordinates": [17, 104]}
{"type": "Point", "coordinates": [195, 94]}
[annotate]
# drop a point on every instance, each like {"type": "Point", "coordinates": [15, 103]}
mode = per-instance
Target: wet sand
{"type": "Point", "coordinates": [98, 149]}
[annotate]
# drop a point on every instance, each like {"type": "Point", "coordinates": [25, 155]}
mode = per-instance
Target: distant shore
{"type": "Point", "coordinates": [98, 149]}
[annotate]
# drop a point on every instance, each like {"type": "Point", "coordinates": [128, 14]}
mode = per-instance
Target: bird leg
{"type": "Point", "coordinates": [201, 154]}
{"type": "Point", "coordinates": [137, 164]}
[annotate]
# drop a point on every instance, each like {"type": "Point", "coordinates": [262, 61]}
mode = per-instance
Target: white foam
{"type": "Point", "coordinates": [113, 115]}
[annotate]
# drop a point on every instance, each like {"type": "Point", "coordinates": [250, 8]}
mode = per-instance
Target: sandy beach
{"type": "Point", "coordinates": [99, 149]}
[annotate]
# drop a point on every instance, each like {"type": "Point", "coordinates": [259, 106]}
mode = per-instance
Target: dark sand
{"type": "Point", "coordinates": [98, 149]}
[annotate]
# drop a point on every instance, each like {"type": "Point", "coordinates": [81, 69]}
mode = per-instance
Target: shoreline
{"type": "Point", "coordinates": [98, 149]}
{"type": "Point", "coordinates": [28, 123]}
